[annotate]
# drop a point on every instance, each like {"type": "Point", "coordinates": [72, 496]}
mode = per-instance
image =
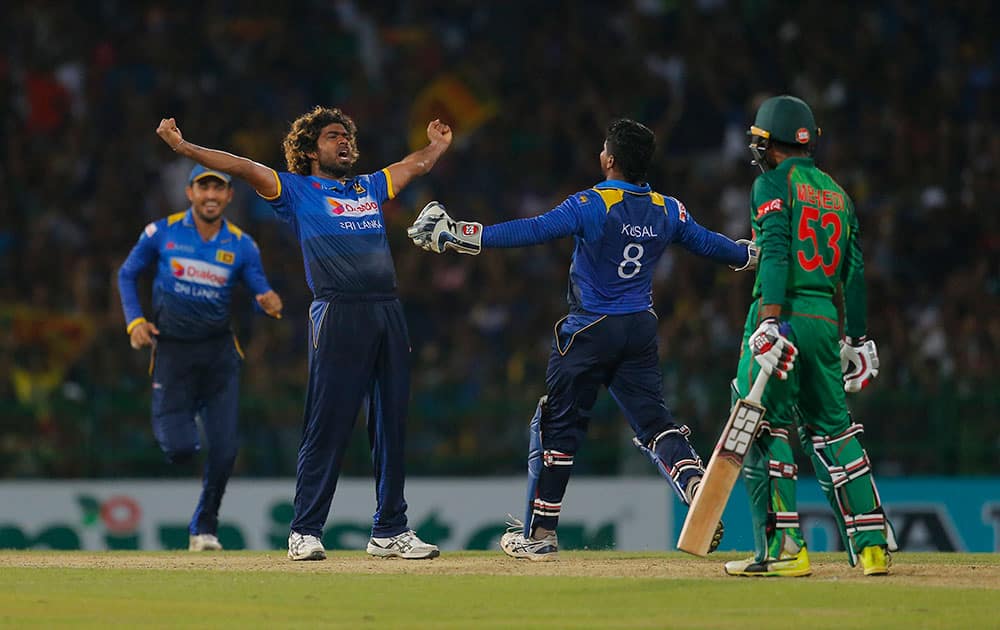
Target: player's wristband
{"type": "Point", "coordinates": [132, 324]}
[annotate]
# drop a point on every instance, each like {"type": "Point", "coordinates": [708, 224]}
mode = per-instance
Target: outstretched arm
{"type": "Point", "coordinates": [420, 162]}
{"type": "Point", "coordinates": [261, 177]}
{"type": "Point", "coordinates": [435, 231]}
{"type": "Point", "coordinates": [705, 242]}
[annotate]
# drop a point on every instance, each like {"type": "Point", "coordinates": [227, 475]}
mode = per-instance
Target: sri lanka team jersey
{"type": "Point", "coordinates": [194, 278]}
{"type": "Point", "coordinates": [341, 231]}
{"type": "Point", "coordinates": [621, 230]}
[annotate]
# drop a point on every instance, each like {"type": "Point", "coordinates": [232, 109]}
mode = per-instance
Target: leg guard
{"type": "Point", "coordinates": [548, 474]}
{"type": "Point", "coordinates": [770, 475]}
{"type": "Point", "coordinates": [679, 464]}
{"type": "Point", "coordinates": [552, 480]}
{"type": "Point", "coordinates": [534, 462]}
{"type": "Point", "coordinates": [844, 474]}
{"type": "Point", "coordinates": [676, 460]}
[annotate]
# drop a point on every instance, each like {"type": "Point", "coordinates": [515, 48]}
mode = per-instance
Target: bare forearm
{"type": "Point", "coordinates": [257, 175]}
{"type": "Point", "coordinates": [423, 160]}
{"type": "Point", "coordinates": [415, 164]}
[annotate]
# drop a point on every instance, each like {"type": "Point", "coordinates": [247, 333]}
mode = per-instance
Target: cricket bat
{"type": "Point", "coordinates": [723, 469]}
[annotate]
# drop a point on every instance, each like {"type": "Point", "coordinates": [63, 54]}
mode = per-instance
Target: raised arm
{"type": "Point", "coordinates": [422, 161]}
{"type": "Point", "coordinates": [261, 177]}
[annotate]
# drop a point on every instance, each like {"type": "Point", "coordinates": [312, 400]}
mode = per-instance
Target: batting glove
{"type": "Point", "coordinates": [753, 253]}
{"type": "Point", "coordinates": [435, 231]}
{"type": "Point", "coordinates": [858, 363]}
{"type": "Point", "coordinates": [772, 349]}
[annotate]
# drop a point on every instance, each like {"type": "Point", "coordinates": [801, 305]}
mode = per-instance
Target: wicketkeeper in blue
{"type": "Point", "coordinates": [196, 358]}
{"type": "Point", "coordinates": [621, 227]}
{"type": "Point", "coordinates": [359, 350]}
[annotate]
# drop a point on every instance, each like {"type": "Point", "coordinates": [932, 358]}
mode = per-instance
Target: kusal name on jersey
{"type": "Point", "coordinates": [638, 231]}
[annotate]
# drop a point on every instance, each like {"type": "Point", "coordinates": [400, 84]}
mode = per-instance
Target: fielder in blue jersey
{"type": "Point", "coordinates": [199, 256]}
{"type": "Point", "coordinates": [359, 351]}
{"type": "Point", "coordinates": [609, 337]}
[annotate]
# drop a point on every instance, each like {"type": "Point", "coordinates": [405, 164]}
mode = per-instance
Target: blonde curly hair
{"type": "Point", "coordinates": [302, 137]}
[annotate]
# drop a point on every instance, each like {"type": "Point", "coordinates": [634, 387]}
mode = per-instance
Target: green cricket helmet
{"type": "Point", "coordinates": [784, 119]}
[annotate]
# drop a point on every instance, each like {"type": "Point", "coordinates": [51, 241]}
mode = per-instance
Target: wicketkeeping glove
{"type": "Point", "coordinates": [434, 230]}
{"type": "Point", "coordinates": [772, 348]}
{"type": "Point", "coordinates": [858, 363]}
{"type": "Point", "coordinates": [753, 253]}
{"type": "Point", "coordinates": [423, 225]}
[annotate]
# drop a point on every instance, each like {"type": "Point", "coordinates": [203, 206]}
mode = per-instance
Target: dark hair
{"type": "Point", "coordinates": [301, 139]}
{"type": "Point", "coordinates": [632, 144]}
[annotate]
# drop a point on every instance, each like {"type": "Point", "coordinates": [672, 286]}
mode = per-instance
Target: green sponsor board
{"type": "Point", "coordinates": [455, 514]}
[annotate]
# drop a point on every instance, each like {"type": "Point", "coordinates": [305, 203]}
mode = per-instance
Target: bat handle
{"type": "Point", "coordinates": [758, 387]}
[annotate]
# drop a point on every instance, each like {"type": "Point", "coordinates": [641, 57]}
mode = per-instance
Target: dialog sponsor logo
{"type": "Point", "coordinates": [199, 272]}
{"type": "Point", "coordinates": [342, 207]}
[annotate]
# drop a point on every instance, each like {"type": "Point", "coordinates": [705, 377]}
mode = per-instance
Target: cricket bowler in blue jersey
{"type": "Point", "coordinates": [198, 256]}
{"type": "Point", "coordinates": [609, 337]}
{"type": "Point", "coordinates": [359, 350]}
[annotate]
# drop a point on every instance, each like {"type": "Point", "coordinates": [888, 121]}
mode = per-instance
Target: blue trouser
{"type": "Point", "coordinates": [358, 352]}
{"type": "Point", "coordinates": [199, 378]}
{"type": "Point", "coordinates": [621, 353]}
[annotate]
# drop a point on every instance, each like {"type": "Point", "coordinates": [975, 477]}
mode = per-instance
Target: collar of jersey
{"type": "Point", "coordinates": [788, 163]}
{"type": "Point", "coordinates": [188, 221]}
{"type": "Point", "coordinates": [632, 188]}
{"type": "Point", "coordinates": [331, 184]}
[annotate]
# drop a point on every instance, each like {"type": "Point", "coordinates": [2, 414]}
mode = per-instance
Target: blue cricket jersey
{"type": "Point", "coordinates": [194, 278]}
{"type": "Point", "coordinates": [341, 230]}
{"type": "Point", "coordinates": [621, 231]}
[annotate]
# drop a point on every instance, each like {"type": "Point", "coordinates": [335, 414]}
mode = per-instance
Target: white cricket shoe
{"type": "Point", "coordinates": [516, 545]}
{"type": "Point", "coordinates": [305, 547]}
{"type": "Point", "coordinates": [204, 542]}
{"type": "Point", "coordinates": [406, 545]}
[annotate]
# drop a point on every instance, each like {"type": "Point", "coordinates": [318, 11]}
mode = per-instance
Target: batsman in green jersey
{"type": "Point", "coordinates": [807, 231]}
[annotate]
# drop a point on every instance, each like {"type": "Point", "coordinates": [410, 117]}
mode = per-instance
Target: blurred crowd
{"type": "Point", "coordinates": [906, 93]}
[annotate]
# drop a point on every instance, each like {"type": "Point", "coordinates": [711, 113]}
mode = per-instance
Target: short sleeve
{"type": "Point", "coordinates": [378, 185]}
{"type": "Point", "coordinates": [285, 201]}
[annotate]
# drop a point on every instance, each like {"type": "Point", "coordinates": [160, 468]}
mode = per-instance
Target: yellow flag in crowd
{"type": "Point", "coordinates": [455, 102]}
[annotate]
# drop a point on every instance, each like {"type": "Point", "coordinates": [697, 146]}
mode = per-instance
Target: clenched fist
{"type": "Point", "coordinates": [437, 132]}
{"type": "Point", "coordinates": [170, 133]}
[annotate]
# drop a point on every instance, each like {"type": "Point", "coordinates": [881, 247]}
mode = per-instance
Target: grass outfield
{"type": "Point", "coordinates": [486, 589]}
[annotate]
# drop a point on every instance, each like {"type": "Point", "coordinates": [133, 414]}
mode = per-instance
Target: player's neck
{"type": "Point", "coordinates": [207, 230]}
{"type": "Point", "coordinates": [616, 175]}
{"type": "Point", "coordinates": [337, 177]}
